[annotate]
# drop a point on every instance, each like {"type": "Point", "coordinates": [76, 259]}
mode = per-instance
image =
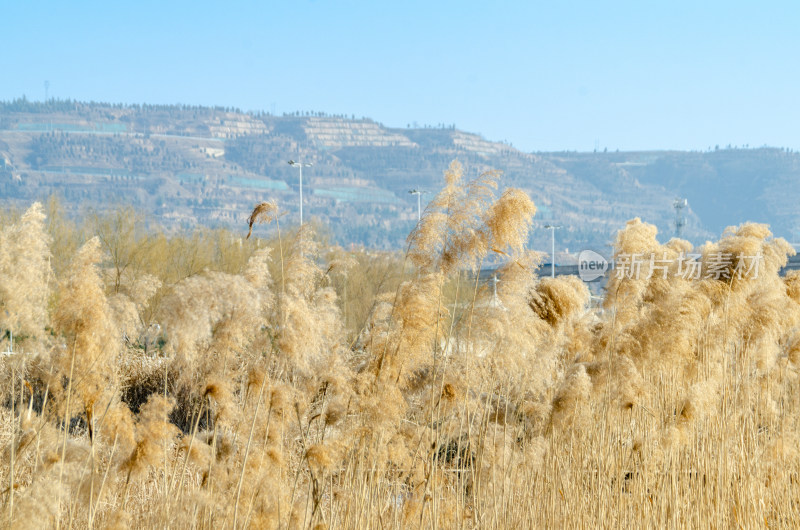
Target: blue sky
{"type": "Point", "coordinates": [540, 75]}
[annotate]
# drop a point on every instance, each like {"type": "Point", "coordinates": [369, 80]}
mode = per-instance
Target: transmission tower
{"type": "Point", "coordinates": [680, 219]}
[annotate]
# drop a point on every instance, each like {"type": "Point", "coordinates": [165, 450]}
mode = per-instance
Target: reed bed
{"type": "Point", "coordinates": [220, 381]}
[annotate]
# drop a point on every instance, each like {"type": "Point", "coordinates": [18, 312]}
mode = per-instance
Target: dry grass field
{"type": "Point", "coordinates": [212, 381]}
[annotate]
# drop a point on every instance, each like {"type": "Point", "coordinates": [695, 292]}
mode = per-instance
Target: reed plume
{"type": "Point", "coordinates": [263, 212]}
{"type": "Point", "coordinates": [84, 318]}
{"type": "Point", "coordinates": [26, 273]}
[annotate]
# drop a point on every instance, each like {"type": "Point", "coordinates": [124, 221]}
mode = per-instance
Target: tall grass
{"type": "Point", "coordinates": [214, 381]}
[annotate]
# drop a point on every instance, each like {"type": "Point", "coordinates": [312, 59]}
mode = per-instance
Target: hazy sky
{"type": "Point", "coordinates": [543, 76]}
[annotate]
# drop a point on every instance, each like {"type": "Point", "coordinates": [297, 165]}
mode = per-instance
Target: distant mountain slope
{"type": "Point", "coordinates": [197, 165]}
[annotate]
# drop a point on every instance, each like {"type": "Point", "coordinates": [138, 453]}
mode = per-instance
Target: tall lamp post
{"type": "Point", "coordinates": [418, 192]}
{"type": "Point", "coordinates": [301, 165]}
{"type": "Point", "coordinates": [553, 229]}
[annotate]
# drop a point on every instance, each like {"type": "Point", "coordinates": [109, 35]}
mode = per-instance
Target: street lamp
{"type": "Point", "coordinates": [553, 229]}
{"type": "Point", "coordinates": [301, 165]}
{"type": "Point", "coordinates": [418, 192]}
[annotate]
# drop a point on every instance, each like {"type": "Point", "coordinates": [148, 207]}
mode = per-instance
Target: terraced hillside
{"type": "Point", "coordinates": [197, 165]}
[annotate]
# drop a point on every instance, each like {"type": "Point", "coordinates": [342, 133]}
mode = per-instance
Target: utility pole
{"type": "Point", "coordinates": [301, 165]}
{"type": "Point", "coordinates": [553, 229]}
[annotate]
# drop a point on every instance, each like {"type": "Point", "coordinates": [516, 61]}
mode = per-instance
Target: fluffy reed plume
{"type": "Point", "coordinates": [755, 306]}
{"type": "Point", "coordinates": [309, 334]}
{"type": "Point", "coordinates": [699, 402]}
{"type": "Point", "coordinates": [211, 322]}
{"type": "Point", "coordinates": [653, 291]}
{"type": "Point", "coordinates": [509, 220]}
{"type": "Point", "coordinates": [511, 338]}
{"type": "Point", "coordinates": [199, 309]}
{"type": "Point", "coordinates": [451, 234]}
{"type": "Point", "coordinates": [257, 273]}
{"type": "Point", "coordinates": [570, 404]}
{"type": "Point", "coordinates": [340, 262]}
{"type": "Point", "coordinates": [630, 388]}
{"type": "Point", "coordinates": [792, 282]}
{"type": "Point", "coordinates": [130, 303]}
{"type": "Point", "coordinates": [637, 240]}
{"type": "Point", "coordinates": [303, 273]}
{"type": "Point", "coordinates": [83, 317]}
{"type": "Point", "coordinates": [264, 212]}
{"type": "Point", "coordinates": [311, 331]}
{"type": "Point", "coordinates": [154, 435]}
{"type": "Point", "coordinates": [460, 226]}
{"type": "Point", "coordinates": [401, 338]}
{"type": "Point", "coordinates": [558, 299]}
{"type": "Point", "coordinates": [142, 290]}
{"type": "Point", "coordinates": [25, 269]}
{"type": "Point", "coordinates": [125, 316]}
{"type": "Point", "coordinates": [746, 244]}
{"type": "Point", "coordinates": [793, 349]}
